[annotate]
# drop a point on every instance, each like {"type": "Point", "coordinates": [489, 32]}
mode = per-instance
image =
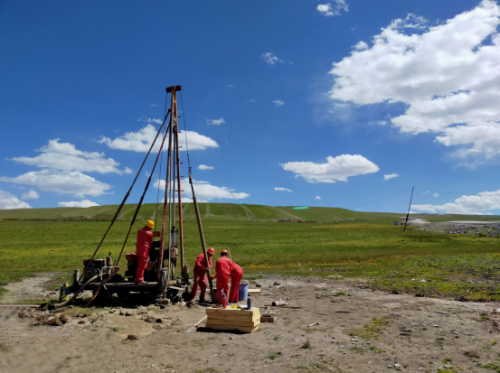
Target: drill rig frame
{"type": "Point", "coordinates": [161, 281]}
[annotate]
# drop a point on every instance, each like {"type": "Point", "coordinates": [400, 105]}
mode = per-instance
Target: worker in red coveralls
{"type": "Point", "coordinates": [236, 276]}
{"type": "Point", "coordinates": [200, 270]}
{"type": "Point", "coordinates": [223, 273]}
{"type": "Point", "coordinates": [144, 240]}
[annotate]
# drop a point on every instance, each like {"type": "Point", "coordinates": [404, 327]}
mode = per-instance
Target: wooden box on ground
{"type": "Point", "coordinates": [233, 319]}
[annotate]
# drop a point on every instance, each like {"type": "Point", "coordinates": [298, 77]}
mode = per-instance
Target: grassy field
{"type": "Point", "coordinates": [332, 241]}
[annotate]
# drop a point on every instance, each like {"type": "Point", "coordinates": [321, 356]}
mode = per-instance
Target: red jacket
{"type": "Point", "coordinates": [200, 264]}
{"type": "Point", "coordinates": [235, 268]}
{"type": "Point", "coordinates": [144, 240]}
{"type": "Point", "coordinates": [223, 267]}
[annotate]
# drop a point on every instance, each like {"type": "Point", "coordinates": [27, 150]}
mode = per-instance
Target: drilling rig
{"type": "Point", "coordinates": [161, 280]}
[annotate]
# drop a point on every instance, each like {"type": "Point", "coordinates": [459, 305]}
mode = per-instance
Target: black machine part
{"type": "Point", "coordinates": [93, 267]}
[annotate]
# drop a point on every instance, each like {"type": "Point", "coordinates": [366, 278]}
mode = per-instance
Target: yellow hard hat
{"type": "Point", "coordinates": [150, 224]}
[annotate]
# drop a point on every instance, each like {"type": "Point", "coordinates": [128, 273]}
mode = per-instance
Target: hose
{"type": "Point", "coordinates": [103, 282]}
{"type": "Point", "coordinates": [59, 305]}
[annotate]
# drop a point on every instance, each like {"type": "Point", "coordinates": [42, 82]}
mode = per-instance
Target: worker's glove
{"type": "Point", "coordinates": [213, 276]}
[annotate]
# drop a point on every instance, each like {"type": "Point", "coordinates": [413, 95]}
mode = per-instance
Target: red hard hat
{"type": "Point", "coordinates": [211, 251]}
{"type": "Point", "coordinates": [224, 252]}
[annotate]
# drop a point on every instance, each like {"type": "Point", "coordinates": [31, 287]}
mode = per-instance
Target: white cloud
{"type": "Point", "coordinates": [154, 105]}
{"type": "Point", "coordinates": [73, 182]}
{"type": "Point", "coordinates": [390, 176]}
{"type": "Point", "coordinates": [317, 197]}
{"type": "Point", "coordinates": [448, 75]}
{"type": "Point", "coordinates": [141, 141]}
{"type": "Point", "coordinates": [203, 167]}
{"type": "Point", "coordinates": [30, 195]}
{"type": "Point", "coordinates": [330, 10]}
{"type": "Point", "coordinates": [65, 157]}
{"type": "Point", "coordinates": [216, 122]}
{"type": "Point", "coordinates": [435, 195]}
{"type": "Point", "coordinates": [204, 191]}
{"type": "Point", "coordinates": [378, 123]}
{"type": "Point", "coordinates": [478, 204]}
{"type": "Point", "coordinates": [150, 120]}
{"type": "Point", "coordinates": [85, 203]}
{"type": "Point", "coordinates": [361, 46]}
{"type": "Point", "coordinates": [271, 59]}
{"type": "Point", "coordinates": [336, 169]}
{"type": "Point", "coordinates": [10, 202]}
{"type": "Point", "coordinates": [281, 189]}
{"type": "Point", "coordinates": [278, 103]}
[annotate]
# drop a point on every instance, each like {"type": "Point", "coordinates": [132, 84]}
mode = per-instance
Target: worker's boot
{"type": "Point", "coordinates": [202, 300]}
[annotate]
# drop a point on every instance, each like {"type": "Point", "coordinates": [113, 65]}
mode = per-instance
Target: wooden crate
{"type": "Point", "coordinates": [233, 319]}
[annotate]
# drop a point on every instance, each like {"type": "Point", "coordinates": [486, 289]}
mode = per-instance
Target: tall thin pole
{"type": "Point", "coordinates": [202, 236]}
{"type": "Point", "coordinates": [179, 189]}
{"type": "Point", "coordinates": [409, 207]}
{"type": "Point", "coordinates": [165, 204]}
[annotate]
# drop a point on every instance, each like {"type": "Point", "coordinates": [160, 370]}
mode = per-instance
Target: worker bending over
{"type": "Point", "coordinates": [144, 240]}
{"type": "Point", "coordinates": [236, 276]}
{"type": "Point", "coordinates": [199, 274]}
{"type": "Point", "coordinates": [223, 273]}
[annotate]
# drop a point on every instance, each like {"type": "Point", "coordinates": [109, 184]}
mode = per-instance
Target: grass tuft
{"type": "Point", "coordinates": [306, 345]}
{"type": "Point", "coordinates": [491, 366]}
{"type": "Point", "coordinates": [372, 330]}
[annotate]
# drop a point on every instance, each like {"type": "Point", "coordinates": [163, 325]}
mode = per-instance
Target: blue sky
{"type": "Point", "coordinates": [310, 103]}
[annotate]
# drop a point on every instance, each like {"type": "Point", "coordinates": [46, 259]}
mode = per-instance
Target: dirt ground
{"type": "Point", "coordinates": [491, 228]}
{"type": "Point", "coordinates": [30, 288]}
{"type": "Point", "coordinates": [358, 330]}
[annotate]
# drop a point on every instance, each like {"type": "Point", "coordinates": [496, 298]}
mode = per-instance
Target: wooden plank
{"type": "Point", "coordinates": [252, 323]}
{"type": "Point", "coordinates": [220, 316]}
{"type": "Point", "coordinates": [253, 291]}
{"type": "Point", "coordinates": [245, 329]}
{"type": "Point", "coordinates": [233, 311]}
{"type": "Point", "coordinates": [268, 319]}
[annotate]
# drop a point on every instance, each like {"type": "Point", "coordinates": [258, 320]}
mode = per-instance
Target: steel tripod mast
{"type": "Point", "coordinates": [175, 130]}
{"type": "Point", "coordinates": [173, 175]}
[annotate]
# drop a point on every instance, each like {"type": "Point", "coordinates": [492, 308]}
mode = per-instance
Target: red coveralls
{"type": "Point", "coordinates": [144, 240]}
{"type": "Point", "coordinates": [236, 276]}
{"type": "Point", "coordinates": [200, 278]}
{"type": "Point", "coordinates": [223, 270]}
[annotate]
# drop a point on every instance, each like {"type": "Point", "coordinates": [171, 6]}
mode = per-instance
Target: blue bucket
{"type": "Point", "coordinates": [243, 292]}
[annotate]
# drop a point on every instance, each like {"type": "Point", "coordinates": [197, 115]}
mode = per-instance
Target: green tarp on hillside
{"type": "Point", "coordinates": [300, 208]}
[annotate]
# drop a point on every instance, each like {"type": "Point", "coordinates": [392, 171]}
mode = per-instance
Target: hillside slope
{"type": "Point", "coordinates": [228, 211]}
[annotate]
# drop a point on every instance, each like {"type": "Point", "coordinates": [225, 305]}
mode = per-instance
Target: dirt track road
{"type": "Point", "coordinates": [416, 334]}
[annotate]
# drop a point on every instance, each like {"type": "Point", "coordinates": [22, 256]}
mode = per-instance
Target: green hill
{"type": "Point", "coordinates": [228, 210]}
